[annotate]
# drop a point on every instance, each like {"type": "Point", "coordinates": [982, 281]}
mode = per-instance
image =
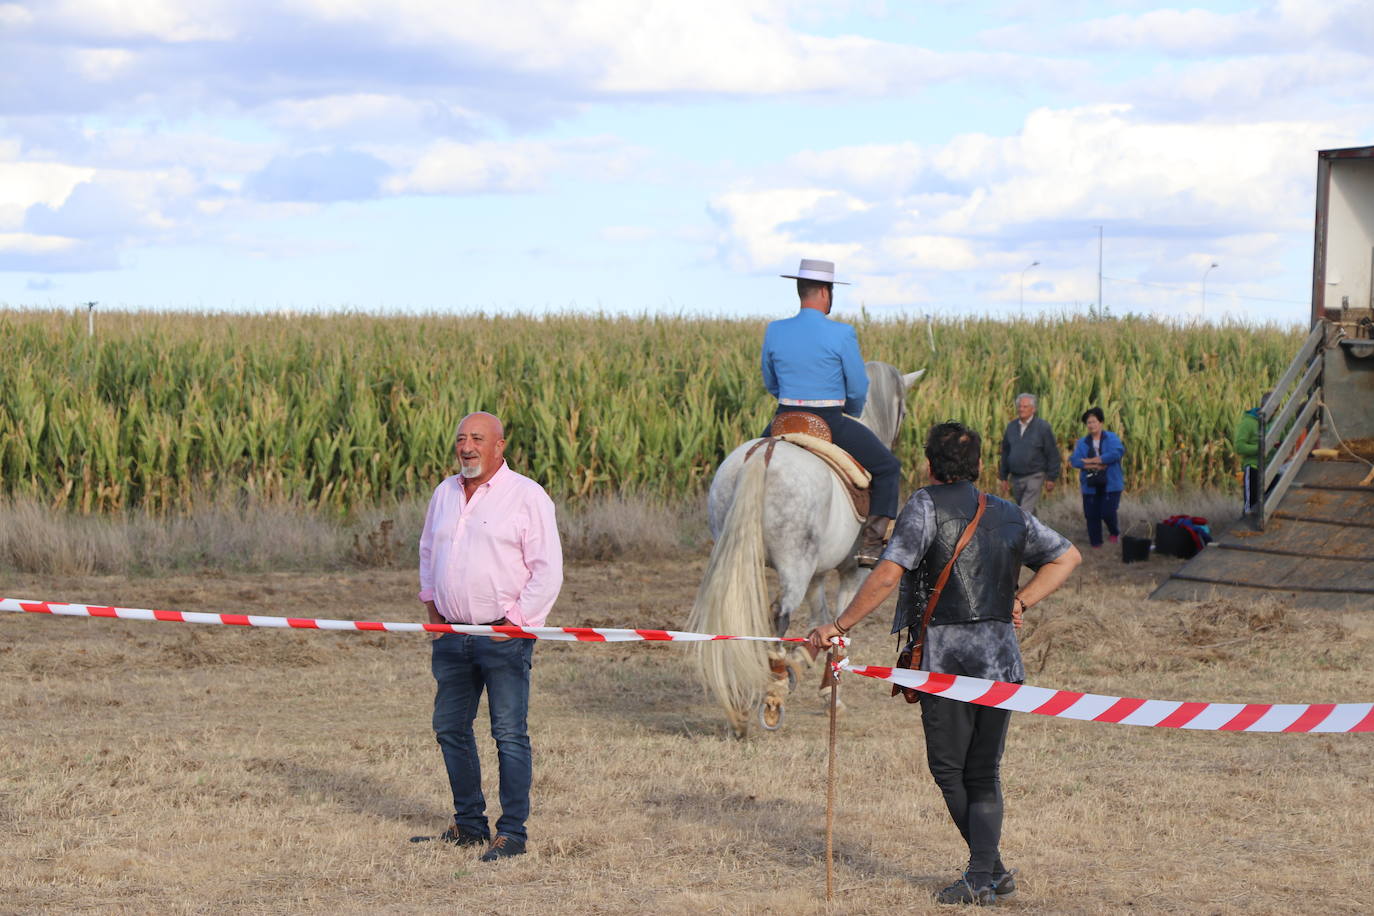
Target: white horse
{"type": "Point", "coordinates": [794, 516]}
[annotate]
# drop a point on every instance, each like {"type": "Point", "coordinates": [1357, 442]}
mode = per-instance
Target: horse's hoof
{"type": "Point", "coordinates": [771, 714]}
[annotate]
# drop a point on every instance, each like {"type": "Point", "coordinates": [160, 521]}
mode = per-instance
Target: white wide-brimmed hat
{"type": "Point", "coordinates": [822, 271]}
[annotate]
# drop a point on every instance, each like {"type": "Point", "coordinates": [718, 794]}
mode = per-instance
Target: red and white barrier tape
{"type": "Point", "coordinates": [1064, 704]}
{"type": "Point", "coordinates": [566, 634]}
{"type": "Point", "coordinates": [1067, 704]}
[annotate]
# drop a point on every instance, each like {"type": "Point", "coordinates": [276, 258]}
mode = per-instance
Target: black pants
{"type": "Point", "coordinates": [1252, 489]}
{"type": "Point", "coordinates": [964, 743]}
{"type": "Point", "coordinates": [859, 441]}
{"type": "Point", "coordinates": [1100, 506]}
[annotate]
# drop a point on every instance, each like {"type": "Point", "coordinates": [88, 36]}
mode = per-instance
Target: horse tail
{"type": "Point", "coordinates": [733, 600]}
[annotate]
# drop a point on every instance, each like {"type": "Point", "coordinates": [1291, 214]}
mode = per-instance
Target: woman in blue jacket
{"type": "Point", "coordinates": [1098, 459]}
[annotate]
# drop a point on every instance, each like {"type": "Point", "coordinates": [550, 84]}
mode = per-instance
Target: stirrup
{"type": "Point", "coordinates": [866, 558]}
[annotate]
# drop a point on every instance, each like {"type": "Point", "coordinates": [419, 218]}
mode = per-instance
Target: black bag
{"type": "Point", "coordinates": [1096, 478]}
{"type": "Point", "coordinates": [1175, 540]}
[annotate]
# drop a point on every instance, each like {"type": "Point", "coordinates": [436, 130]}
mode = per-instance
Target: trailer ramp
{"type": "Point", "coordinates": [1316, 550]}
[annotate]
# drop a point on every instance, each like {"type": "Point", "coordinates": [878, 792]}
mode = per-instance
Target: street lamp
{"type": "Point", "coordinates": [1204, 288]}
{"type": "Point", "coordinates": [1023, 282]}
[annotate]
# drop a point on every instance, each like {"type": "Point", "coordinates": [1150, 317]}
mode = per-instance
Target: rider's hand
{"type": "Point", "coordinates": [824, 636]}
{"type": "Point", "coordinates": [1049, 486]}
{"type": "Point", "coordinates": [1006, 486]}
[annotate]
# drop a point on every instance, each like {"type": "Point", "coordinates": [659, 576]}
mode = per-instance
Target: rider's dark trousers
{"type": "Point", "coordinates": [859, 441]}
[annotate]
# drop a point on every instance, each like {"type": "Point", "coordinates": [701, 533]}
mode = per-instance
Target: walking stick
{"type": "Point", "coordinates": [830, 781]}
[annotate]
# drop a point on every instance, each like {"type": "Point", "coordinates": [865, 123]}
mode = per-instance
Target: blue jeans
{"type": "Point", "coordinates": [463, 665]}
{"type": "Point", "coordinates": [1100, 506]}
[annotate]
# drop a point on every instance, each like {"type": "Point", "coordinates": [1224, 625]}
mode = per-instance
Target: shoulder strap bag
{"type": "Point", "coordinates": [1095, 477]}
{"type": "Point", "coordinates": [910, 657]}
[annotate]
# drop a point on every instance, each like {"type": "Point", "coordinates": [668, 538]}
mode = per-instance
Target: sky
{"type": "Point", "coordinates": [630, 156]}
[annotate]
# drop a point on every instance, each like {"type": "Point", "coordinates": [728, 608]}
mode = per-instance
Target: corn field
{"type": "Point", "coordinates": [166, 410]}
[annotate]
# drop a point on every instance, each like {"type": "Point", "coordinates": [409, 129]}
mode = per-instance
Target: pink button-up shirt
{"type": "Point", "coordinates": [496, 555]}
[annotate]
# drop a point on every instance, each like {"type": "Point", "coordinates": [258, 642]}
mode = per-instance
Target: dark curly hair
{"type": "Point", "coordinates": [1093, 412]}
{"type": "Point", "coordinates": [953, 451]}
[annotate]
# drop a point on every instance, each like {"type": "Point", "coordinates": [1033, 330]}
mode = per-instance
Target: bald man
{"type": "Point", "coordinates": [489, 554]}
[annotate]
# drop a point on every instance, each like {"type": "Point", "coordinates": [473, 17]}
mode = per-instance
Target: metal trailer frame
{"type": "Point", "coordinates": [1325, 158]}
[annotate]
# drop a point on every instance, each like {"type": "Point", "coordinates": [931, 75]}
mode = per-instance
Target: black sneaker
{"type": "Point", "coordinates": [1004, 884]}
{"type": "Point", "coordinates": [963, 892]}
{"type": "Point", "coordinates": [455, 837]}
{"type": "Point", "coordinates": [503, 847]}
{"type": "Point", "coordinates": [463, 838]}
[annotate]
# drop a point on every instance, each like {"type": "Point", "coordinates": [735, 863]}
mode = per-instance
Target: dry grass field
{"type": "Point", "coordinates": [169, 768]}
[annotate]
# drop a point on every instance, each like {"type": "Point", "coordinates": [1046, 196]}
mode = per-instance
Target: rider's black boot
{"type": "Point", "coordinates": [872, 540]}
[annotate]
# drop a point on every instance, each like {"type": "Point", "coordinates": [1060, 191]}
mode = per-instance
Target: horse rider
{"type": "Point", "coordinates": [811, 364]}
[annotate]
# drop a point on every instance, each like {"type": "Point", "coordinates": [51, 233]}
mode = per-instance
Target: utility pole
{"type": "Point", "coordinates": [1204, 288]}
{"type": "Point", "coordinates": [90, 318]}
{"type": "Point", "coordinates": [1099, 271]}
{"type": "Point", "coordinates": [1023, 284]}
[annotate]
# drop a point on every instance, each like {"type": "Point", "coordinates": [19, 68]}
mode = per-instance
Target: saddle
{"type": "Point", "coordinates": [808, 431]}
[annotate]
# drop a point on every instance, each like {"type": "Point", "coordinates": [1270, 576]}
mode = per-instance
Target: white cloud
{"type": "Point", "coordinates": [450, 167]}
{"type": "Point", "coordinates": [509, 59]}
{"type": "Point", "coordinates": [23, 184]}
{"type": "Point", "coordinates": [162, 20]}
{"type": "Point", "coordinates": [100, 65]}
{"type": "Point", "coordinates": [119, 204]}
{"type": "Point", "coordinates": [1245, 88]}
{"type": "Point", "coordinates": [1100, 164]}
{"type": "Point", "coordinates": [1282, 25]}
{"type": "Point", "coordinates": [1190, 32]}
{"type": "Point", "coordinates": [872, 169]}
{"type": "Point", "coordinates": [466, 168]}
{"type": "Point", "coordinates": [27, 243]}
{"type": "Point", "coordinates": [621, 46]}
{"type": "Point", "coordinates": [930, 252]}
{"type": "Point", "coordinates": [758, 231]}
{"type": "Point", "coordinates": [15, 15]}
{"type": "Point", "coordinates": [369, 113]}
{"type": "Point", "coordinates": [880, 290]}
{"type": "Point", "coordinates": [982, 207]}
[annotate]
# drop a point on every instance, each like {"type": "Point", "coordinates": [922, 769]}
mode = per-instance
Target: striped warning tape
{"type": "Point", "coordinates": [565, 634]}
{"type": "Point", "coordinates": [1068, 704]}
{"type": "Point", "coordinates": [1064, 704]}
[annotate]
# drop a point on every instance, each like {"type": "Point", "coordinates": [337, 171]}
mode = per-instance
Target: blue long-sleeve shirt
{"type": "Point", "coordinates": [808, 357]}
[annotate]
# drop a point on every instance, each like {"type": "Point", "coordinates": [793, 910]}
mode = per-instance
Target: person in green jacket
{"type": "Point", "coordinates": [1246, 441]}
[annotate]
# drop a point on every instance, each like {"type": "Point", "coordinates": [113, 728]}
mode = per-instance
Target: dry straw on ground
{"type": "Point", "coordinates": [167, 768]}
{"type": "Point", "coordinates": [259, 537]}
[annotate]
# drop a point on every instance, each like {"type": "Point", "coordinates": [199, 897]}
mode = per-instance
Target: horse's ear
{"type": "Point", "coordinates": [911, 378]}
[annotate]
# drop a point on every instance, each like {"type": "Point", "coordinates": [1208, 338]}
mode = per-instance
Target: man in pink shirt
{"type": "Point", "coordinates": [489, 554]}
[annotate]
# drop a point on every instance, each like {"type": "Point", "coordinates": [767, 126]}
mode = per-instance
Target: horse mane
{"type": "Point", "coordinates": [885, 406]}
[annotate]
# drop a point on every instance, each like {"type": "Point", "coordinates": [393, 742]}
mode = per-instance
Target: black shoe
{"type": "Point", "coordinates": [455, 837]}
{"type": "Point", "coordinates": [1004, 884]}
{"type": "Point", "coordinates": [963, 892]}
{"type": "Point", "coordinates": [503, 847]}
